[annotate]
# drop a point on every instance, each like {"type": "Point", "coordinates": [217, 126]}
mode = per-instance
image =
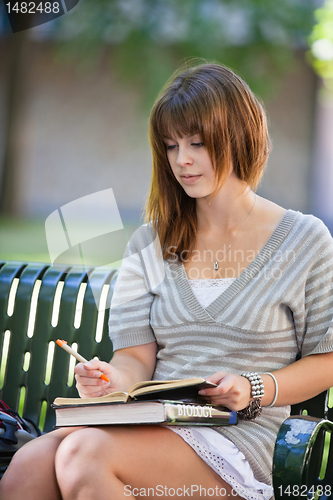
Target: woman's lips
{"type": "Point", "coordinates": [190, 179]}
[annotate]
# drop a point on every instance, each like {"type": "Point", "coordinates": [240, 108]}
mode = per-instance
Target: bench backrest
{"type": "Point", "coordinates": [39, 304]}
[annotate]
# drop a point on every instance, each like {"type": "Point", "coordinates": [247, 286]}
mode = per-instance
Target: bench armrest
{"type": "Point", "coordinates": [302, 460]}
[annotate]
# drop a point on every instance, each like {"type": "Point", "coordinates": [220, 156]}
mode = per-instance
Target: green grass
{"type": "Point", "coordinates": [25, 240]}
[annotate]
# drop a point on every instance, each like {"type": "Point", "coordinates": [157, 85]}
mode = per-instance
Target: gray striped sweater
{"type": "Point", "coordinates": [281, 305]}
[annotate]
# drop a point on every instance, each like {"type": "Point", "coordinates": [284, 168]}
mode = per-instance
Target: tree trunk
{"type": "Point", "coordinates": [17, 68]}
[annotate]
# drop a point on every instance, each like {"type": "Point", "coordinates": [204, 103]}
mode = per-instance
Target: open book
{"type": "Point", "coordinates": [155, 402]}
{"type": "Point", "coordinates": [184, 389]}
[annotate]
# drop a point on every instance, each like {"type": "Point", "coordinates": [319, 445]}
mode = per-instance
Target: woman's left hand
{"type": "Point", "coordinates": [232, 391]}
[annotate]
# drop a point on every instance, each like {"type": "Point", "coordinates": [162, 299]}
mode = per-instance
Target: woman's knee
{"type": "Point", "coordinates": [80, 450]}
{"type": "Point", "coordinates": [35, 460]}
{"type": "Point", "coordinates": [31, 455]}
{"type": "Point", "coordinates": [27, 464]}
{"type": "Point", "coordinates": [77, 457]}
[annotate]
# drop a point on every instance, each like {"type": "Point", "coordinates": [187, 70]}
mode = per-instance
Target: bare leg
{"type": "Point", "coordinates": [31, 474]}
{"type": "Point", "coordinates": [123, 462]}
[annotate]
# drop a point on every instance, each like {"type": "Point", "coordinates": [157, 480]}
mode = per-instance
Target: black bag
{"type": "Point", "coordinates": [15, 431]}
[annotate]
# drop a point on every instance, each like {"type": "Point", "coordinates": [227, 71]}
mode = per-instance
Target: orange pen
{"type": "Point", "coordinates": [65, 346]}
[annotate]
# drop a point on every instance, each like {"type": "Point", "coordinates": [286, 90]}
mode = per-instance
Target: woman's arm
{"type": "Point", "coordinates": [127, 367]}
{"type": "Point", "coordinates": [301, 380]}
{"type": "Point", "coordinates": [297, 382]}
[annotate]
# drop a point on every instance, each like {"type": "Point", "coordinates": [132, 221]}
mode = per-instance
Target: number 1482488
{"type": "Point", "coordinates": [33, 8]}
{"type": "Point", "coordinates": [305, 491]}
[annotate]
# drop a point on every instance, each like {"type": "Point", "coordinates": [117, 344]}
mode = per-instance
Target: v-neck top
{"type": "Point", "coordinates": [251, 271]}
{"type": "Point", "coordinates": [279, 306]}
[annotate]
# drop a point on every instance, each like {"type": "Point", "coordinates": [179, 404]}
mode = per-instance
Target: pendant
{"type": "Point", "coordinates": [216, 266]}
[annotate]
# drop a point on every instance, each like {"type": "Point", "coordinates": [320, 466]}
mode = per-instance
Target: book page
{"type": "Point", "coordinates": [161, 385]}
{"type": "Point", "coordinates": [114, 397]}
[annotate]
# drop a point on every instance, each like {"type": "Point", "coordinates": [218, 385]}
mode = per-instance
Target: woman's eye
{"type": "Point", "coordinates": [197, 144]}
{"type": "Point", "coordinates": [169, 147]}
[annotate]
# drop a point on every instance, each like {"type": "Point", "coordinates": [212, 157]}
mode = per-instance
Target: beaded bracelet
{"type": "Point", "coordinates": [254, 409]}
{"type": "Point", "coordinates": [257, 385]}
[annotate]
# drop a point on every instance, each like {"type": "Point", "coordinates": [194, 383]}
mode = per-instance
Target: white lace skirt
{"type": "Point", "coordinates": [226, 460]}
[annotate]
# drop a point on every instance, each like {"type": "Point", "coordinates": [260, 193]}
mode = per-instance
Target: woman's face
{"type": "Point", "coordinates": [191, 165]}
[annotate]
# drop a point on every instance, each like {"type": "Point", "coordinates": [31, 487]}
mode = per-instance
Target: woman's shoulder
{"type": "Point", "coordinates": [143, 237]}
{"type": "Point", "coordinates": [272, 215]}
{"type": "Point", "coordinates": [307, 225]}
{"type": "Point", "coordinates": [309, 236]}
{"type": "Point", "coordinates": [296, 231]}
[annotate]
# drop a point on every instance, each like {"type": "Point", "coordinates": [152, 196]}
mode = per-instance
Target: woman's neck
{"type": "Point", "coordinates": [228, 209]}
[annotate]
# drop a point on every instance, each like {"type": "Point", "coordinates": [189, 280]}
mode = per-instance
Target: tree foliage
{"type": "Point", "coordinates": [150, 38]}
{"type": "Point", "coordinates": [321, 43]}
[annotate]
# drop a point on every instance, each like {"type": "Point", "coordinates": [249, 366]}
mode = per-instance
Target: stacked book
{"type": "Point", "coordinates": [166, 402]}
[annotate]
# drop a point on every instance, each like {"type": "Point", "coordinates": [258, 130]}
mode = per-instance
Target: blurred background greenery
{"type": "Point", "coordinates": [76, 94]}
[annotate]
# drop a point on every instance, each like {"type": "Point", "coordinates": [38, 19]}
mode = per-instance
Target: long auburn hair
{"type": "Point", "coordinates": [212, 101]}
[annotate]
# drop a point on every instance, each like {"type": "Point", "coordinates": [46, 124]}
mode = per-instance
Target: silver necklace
{"type": "Point", "coordinates": [216, 264]}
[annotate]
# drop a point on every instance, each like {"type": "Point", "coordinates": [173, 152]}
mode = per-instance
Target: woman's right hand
{"type": "Point", "coordinates": [88, 381]}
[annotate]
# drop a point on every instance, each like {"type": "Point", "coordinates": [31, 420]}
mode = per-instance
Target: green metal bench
{"type": "Point", "coordinates": [40, 303]}
{"type": "Point", "coordinates": [303, 456]}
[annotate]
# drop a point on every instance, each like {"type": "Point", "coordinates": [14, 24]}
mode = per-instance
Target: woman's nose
{"type": "Point", "coordinates": [184, 157]}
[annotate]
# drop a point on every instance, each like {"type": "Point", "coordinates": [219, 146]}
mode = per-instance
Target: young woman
{"type": "Point", "coordinates": [218, 283]}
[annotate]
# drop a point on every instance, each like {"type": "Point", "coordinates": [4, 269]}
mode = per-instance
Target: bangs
{"type": "Point", "coordinates": [178, 117]}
